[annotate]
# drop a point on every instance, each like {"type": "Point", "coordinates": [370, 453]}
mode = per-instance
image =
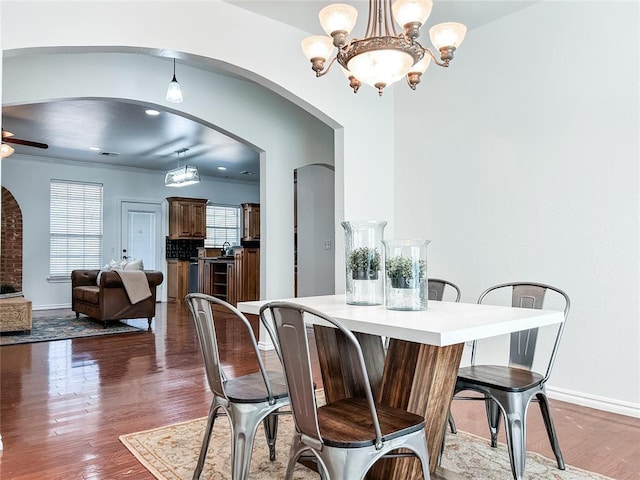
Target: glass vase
{"type": "Point", "coordinates": [406, 284]}
{"type": "Point", "coordinates": [363, 260]}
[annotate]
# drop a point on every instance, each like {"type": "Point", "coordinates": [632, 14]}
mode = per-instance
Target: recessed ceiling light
{"type": "Point", "coordinates": [95, 149]}
{"type": "Point", "coordinates": [151, 112]}
{"type": "Point", "coordinates": [222, 168]}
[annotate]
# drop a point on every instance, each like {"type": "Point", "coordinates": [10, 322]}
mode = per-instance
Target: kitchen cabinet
{"type": "Point", "coordinates": [250, 222]}
{"type": "Point", "coordinates": [232, 279]}
{"type": "Point", "coordinates": [177, 279]}
{"type": "Point", "coordinates": [187, 218]}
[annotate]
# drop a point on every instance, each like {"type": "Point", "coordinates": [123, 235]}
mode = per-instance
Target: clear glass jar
{"type": "Point", "coordinates": [406, 284]}
{"type": "Point", "coordinates": [363, 261]}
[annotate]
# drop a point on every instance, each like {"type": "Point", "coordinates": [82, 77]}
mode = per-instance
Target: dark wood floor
{"type": "Point", "coordinates": [64, 404]}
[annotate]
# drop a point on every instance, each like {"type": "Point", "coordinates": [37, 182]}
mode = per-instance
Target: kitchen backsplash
{"type": "Point", "coordinates": [183, 249]}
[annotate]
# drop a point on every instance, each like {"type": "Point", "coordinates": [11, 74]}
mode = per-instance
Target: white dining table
{"type": "Point", "coordinates": [418, 371]}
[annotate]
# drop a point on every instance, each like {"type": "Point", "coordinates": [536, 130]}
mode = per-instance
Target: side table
{"type": "Point", "coordinates": [15, 314]}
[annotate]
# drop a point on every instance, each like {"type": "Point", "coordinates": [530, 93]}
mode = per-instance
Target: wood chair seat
{"type": "Point", "coordinates": [347, 423]}
{"type": "Point", "coordinates": [499, 377]}
{"type": "Point", "coordinates": [251, 389]}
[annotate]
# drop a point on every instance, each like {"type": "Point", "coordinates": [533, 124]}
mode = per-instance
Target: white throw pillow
{"type": "Point", "coordinates": [133, 265]}
{"type": "Point", "coordinates": [123, 264]}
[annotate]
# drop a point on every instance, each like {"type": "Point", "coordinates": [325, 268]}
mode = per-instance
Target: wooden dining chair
{"type": "Point", "coordinates": [508, 389]}
{"type": "Point", "coordinates": [346, 437]}
{"type": "Point", "coordinates": [247, 400]}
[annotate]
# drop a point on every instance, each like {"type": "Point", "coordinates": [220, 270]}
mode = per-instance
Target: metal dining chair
{"type": "Point", "coordinates": [246, 400]}
{"type": "Point", "coordinates": [346, 437]}
{"type": "Point", "coordinates": [436, 288]}
{"type": "Point", "coordinates": [508, 389]}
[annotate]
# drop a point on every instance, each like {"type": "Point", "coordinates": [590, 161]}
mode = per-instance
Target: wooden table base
{"type": "Point", "coordinates": [417, 377]}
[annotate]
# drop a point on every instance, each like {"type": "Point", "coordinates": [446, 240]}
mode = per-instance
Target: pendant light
{"type": "Point", "coordinates": [174, 93]}
{"type": "Point", "coordinates": [181, 176]}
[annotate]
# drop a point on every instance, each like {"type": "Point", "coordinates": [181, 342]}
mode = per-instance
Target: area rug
{"type": "Point", "coordinates": [45, 329]}
{"type": "Point", "coordinates": [171, 453]}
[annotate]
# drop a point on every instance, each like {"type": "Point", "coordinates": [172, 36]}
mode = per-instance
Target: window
{"type": "Point", "coordinates": [75, 227]}
{"type": "Point", "coordinates": [223, 225]}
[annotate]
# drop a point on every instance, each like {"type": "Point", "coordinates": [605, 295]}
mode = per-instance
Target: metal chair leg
{"type": "Point", "coordinates": [271, 432]}
{"type": "Point", "coordinates": [205, 441]}
{"type": "Point", "coordinates": [515, 408]}
{"type": "Point", "coordinates": [452, 424]}
{"type": "Point", "coordinates": [244, 420]}
{"type": "Point", "coordinates": [551, 430]}
{"type": "Point", "coordinates": [493, 417]}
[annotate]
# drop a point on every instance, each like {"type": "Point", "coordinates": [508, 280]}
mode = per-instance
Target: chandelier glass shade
{"type": "Point", "coordinates": [383, 56]}
{"type": "Point", "coordinates": [181, 176]}
{"type": "Point", "coordinates": [174, 92]}
{"type": "Point", "coordinates": [6, 150]}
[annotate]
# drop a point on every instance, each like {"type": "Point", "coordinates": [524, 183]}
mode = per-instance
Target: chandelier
{"type": "Point", "coordinates": [383, 56]}
{"type": "Point", "coordinates": [181, 176]}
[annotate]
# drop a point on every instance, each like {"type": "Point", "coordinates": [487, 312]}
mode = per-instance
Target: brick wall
{"type": "Point", "coordinates": [11, 241]}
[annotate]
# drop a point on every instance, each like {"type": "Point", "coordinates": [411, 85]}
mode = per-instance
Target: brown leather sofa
{"type": "Point", "coordinates": [108, 300]}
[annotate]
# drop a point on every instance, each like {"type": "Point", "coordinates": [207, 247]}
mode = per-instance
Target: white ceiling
{"type": "Point", "coordinates": [127, 136]}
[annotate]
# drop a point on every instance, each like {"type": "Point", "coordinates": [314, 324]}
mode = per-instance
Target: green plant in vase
{"type": "Point", "coordinates": [405, 272]}
{"type": "Point", "coordinates": [364, 263]}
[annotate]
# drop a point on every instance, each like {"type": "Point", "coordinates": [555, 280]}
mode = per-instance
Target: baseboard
{"type": "Point", "coordinates": [592, 401]}
{"type": "Point", "coordinates": [51, 307]}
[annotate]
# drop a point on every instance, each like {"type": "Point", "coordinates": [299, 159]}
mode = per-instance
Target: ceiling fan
{"type": "Point", "coordinates": [7, 137]}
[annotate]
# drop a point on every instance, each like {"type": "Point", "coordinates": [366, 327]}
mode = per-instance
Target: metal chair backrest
{"type": "Point", "coordinates": [522, 345]}
{"type": "Point", "coordinates": [436, 288]}
{"type": "Point", "coordinates": [289, 334]}
{"type": "Point", "coordinates": [200, 307]}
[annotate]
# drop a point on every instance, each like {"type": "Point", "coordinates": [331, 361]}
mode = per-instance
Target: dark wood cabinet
{"type": "Point", "coordinates": [177, 279]}
{"type": "Point", "coordinates": [187, 218]}
{"type": "Point", "coordinates": [250, 222]}
{"type": "Point", "coordinates": [233, 280]}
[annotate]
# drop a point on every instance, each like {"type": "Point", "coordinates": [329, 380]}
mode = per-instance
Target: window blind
{"type": "Point", "coordinates": [223, 225]}
{"type": "Point", "coordinates": [75, 227]}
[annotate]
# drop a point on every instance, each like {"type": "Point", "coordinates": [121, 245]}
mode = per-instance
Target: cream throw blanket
{"type": "Point", "coordinates": [136, 284]}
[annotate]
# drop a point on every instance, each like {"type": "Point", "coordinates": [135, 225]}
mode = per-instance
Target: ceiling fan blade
{"type": "Point", "coordinates": [27, 143]}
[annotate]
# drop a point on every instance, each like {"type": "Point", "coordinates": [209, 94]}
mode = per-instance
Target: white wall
{"type": "Point", "coordinates": [528, 170]}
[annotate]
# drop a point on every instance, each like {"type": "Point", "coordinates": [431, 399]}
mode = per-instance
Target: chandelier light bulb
{"type": "Point", "coordinates": [415, 73]}
{"type": "Point", "coordinates": [380, 68]}
{"type": "Point", "coordinates": [447, 35]}
{"type": "Point", "coordinates": [338, 17]}
{"type": "Point", "coordinates": [6, 150]}
{"type": "Point", "coordinates": [422, 65]}
{"type": "Point", "coordinates": [318, 46]}
{"type": "Point", "coordinates": [407, 12]}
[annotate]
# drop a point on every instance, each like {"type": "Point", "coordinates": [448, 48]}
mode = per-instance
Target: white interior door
{"type": "Point", "coordinates": [142, 236]}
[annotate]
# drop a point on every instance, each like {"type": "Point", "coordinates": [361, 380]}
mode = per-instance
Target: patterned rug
{"type": "Point", "coordinates": [45, 329]}
{"type": "Point", "coordinates": [171, 453]}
